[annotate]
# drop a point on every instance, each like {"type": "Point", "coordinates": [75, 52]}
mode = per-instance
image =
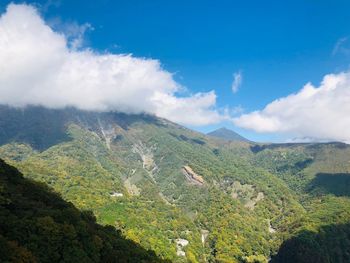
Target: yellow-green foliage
{"type": "Point", "coordinates": [104, 153]}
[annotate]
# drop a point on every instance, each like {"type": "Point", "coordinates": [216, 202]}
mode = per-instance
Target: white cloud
{"type": "Point", "coordinates": [237, 81]}
{"type": "Point", "coordinates": [43, 67]}
{"type": "Point", "coordinates": [319, 113]}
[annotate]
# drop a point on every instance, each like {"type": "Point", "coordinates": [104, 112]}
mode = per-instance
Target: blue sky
{"type": "Point", "coordinates": [278, 46]}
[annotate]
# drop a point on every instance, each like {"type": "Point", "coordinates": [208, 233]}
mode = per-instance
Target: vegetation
{"type": "Point", "coordinates": [36, 225]}
{"type": "Point", "coordinates": [128, 169]}
{"type": "Point", "coordinates": [330, 243]}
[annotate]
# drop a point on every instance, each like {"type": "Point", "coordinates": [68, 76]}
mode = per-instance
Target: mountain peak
{"type": "Point", "coordinates": [223, 129]}
{"type": "Point", "coordinates": [227, 134]}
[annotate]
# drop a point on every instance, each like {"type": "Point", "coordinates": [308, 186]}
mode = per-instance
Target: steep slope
{"type": "Point", "coordinates": [227, 134]}
{"type": "Point", "coordinates": [306, 167]}
{"type": "Point", "coordinates": [319, 173]}
{"type": "Point", "coordinates": [187, 196]}
{"type": "Point", "coordinates": [36, 225]}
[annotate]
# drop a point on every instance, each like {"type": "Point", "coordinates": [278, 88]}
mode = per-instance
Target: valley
{"type": "Point", "coordinates": [187, 196]}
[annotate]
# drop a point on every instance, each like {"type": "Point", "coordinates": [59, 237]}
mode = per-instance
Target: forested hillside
{"type": "Point", "coordinates": [187, 196]}
{"type": "Point", "coordinates": [37, 225]}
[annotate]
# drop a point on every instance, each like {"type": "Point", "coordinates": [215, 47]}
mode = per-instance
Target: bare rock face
{"type": "Point", "coordinates": [116, 194]}
{"type": "Point", "coordinates": [132, 188]}
{"type": "Point", "coordinates": [252, 202]}
{"type": "Point", "coordinates": [180, 244]}
{"type": "Point", "coordinates": [146, 155]}
{"type": "Point", "coordinates": [191, 176]}
{"type": "Point", "coordinates": [246, 193]}
{"type": "Point", "coordinates": [270, 228]}
{"type": "Point", "coordinates": [204, 236]}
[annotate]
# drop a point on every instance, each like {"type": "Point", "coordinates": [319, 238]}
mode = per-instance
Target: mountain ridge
{"type": "Point", "coordinates": [130, 171]}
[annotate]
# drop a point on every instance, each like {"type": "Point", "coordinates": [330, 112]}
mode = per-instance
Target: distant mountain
{"type": "Point", "coordinates": [227, 134]}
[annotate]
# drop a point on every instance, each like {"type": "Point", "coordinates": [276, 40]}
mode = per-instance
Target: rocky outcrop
{"type": "Point", "coordinates": [270, 228]}
{"type": "Point", "coordinates": [108, 133]}
{"type": "Point", "coordinates": [204, 236]}
{"type": "Point", "coordinates": [116, 194]}
{"type": "Point", "coordinates": [252, 202]}
{"type": "Point", "coordinates": [246, 193]}
{"type": "Point", "coordinates": [180, 244]}
{"type": "Point", "coordinates": [191, 176]}
{"type": "Point", "coordinates": [131, 188]}
{"type": "Point", "coordinates": [146, 156]}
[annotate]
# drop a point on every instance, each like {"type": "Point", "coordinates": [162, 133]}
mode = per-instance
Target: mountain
{"type": "Point", "coordinates": [186, 196]}
{"type": "Point", "coordinates": [227, 134]}
{"type": "Point", "coordinates": [36, 225]}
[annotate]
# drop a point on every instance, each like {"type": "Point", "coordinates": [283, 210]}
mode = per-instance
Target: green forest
{"type": "Point", "coordinates": [37, 225]}
{"type": "Point", "coordinates": [110, 187]}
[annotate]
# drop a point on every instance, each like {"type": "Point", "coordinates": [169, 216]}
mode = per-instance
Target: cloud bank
{"type": "Point", "coordinates": [319, 113]}
{"type": "Point", "coordinates": [42, 67]}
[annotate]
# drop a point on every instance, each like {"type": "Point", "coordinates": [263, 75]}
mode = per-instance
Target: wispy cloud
{"type": "Point", "coordinates": [342, 46]}
{"type": "Point", "coordinates": [74, 33]}
{"type": "Point", "coordinates": [50, 3]}
{"type": "Point", "coordinates": [237, 81]}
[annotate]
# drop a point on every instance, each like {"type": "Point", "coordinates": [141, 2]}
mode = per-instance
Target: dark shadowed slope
{"type": "Point", "coordinates": [337, 184]}
{"type": "Point", "coordinates": [228, 135]}
{"type": "Point", "coordinates": [330, 244]}
{"type": "Point", "coordinates": [37, 225]}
